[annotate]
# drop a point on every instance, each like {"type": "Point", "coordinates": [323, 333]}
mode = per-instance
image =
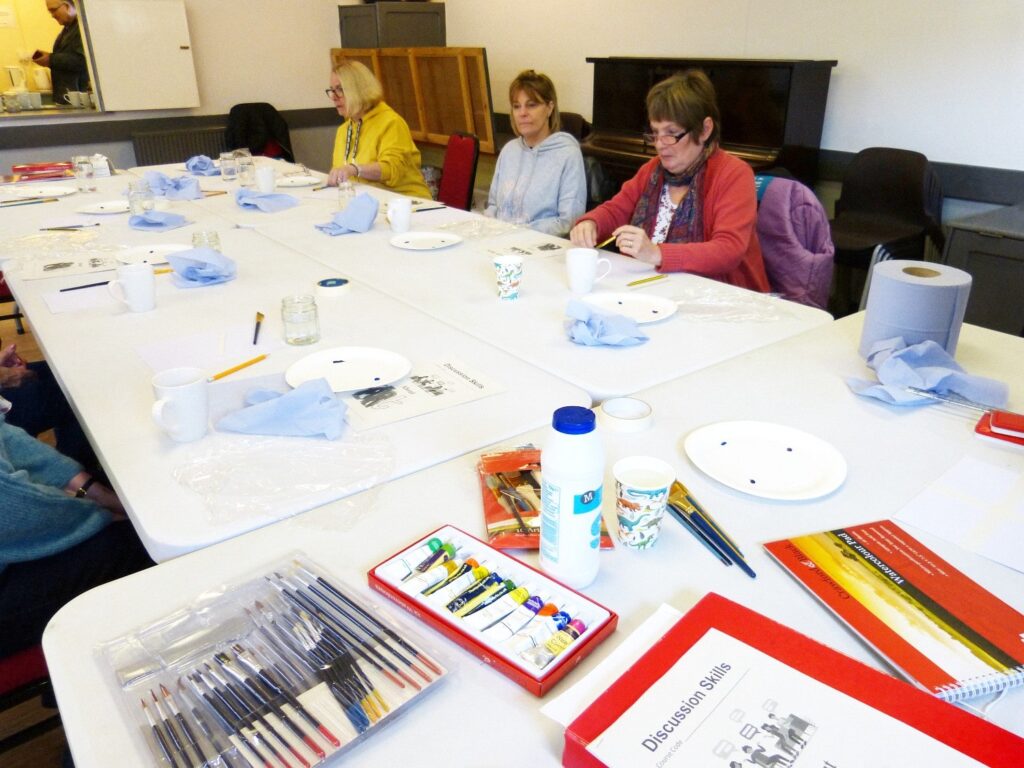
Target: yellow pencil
{"type": "Point", "coordinates": [164, 271]}
{"type": "Point", "coordinates": [603, 243]}
{"type": "Point", "coordinates": [236, 368]}
{"type": "Point", "coordinates": [643, 280]}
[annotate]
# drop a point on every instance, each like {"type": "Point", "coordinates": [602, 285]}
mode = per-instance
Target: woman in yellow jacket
{"type": "Point", "coordinates": [373, 144]}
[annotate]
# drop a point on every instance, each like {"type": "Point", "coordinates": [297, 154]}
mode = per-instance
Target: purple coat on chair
{"type": "Point", "coordinates": [796, 243]}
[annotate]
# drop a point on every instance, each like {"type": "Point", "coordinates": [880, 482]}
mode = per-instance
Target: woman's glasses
{"type": "Point", "coordinates": [668, 139]}
{"type": "Point", "coordinates": [334, 93]}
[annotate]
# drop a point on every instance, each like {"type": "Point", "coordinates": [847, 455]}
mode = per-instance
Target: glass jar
{"type": "Point", "coordinates": [140, 197]}
{"type": "Point", "coordinates": [301, 325]}
{"type": "Point", "coordinates": [206, 238]}
{"type": "Point", "coordinates": [85, 173]}
{"type": "Point", "coordinates": [346, 193]}
{"type": "Point", "coordinates": [246, 168]}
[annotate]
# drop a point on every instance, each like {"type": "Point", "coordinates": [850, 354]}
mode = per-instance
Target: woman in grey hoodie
{"type": "Point", "coordinates": [539, 180]}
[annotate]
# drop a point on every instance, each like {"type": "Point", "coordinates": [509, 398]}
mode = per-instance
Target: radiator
{"type": "Point", "coordinates": [159, 147]}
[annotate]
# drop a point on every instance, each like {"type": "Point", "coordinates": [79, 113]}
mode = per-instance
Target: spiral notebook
{"type": "Point", "coordinates": [931, 622]}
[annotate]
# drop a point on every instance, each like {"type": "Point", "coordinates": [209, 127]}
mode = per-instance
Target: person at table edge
{"type": "Point", "coordinates": [373, 144]}
{"type": "Point", "coordinates": [68, 70]}
{"type": "Point", "coordinates": [693, 207]}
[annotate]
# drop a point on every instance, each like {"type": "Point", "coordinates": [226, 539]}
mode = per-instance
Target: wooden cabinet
{"type": "Point", "coordinates": [990, 246]}
{"type": "Point", "coordinates": [438, 91]}
{"type": "Point", "coordinates": [392, 25]}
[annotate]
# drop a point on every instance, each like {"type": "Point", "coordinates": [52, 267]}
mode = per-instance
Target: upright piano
{"type": "Point", "coordinates": [772, 111]}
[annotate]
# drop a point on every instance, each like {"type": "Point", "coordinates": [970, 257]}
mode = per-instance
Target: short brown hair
{"type": "Point", "coordinates": [362, 89]}
{"type": "Point", "coordinates": [685, 99]}
{"type": "Point", "coordinates": [536, 86]}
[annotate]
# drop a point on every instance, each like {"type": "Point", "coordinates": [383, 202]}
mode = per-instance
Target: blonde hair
{"type": "Point", "coordinates": [536, 86]}
{"type": "Point", "coordinates": [362, 89]}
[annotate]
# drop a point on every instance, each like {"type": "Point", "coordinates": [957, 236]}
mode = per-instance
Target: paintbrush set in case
{"type": "Point", "coordinates": [287, 669]}
{"type": "Point", "coordinates": [528, 626]}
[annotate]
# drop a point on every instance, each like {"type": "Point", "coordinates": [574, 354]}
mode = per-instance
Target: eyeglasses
{"type": "Point", "coordinates": [668, 139]}
{"type": "Point", "coordinates": [335, 93]}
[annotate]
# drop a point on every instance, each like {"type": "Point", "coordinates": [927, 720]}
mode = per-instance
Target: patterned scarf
{"type": "Point", "coordinates": [688, 221]}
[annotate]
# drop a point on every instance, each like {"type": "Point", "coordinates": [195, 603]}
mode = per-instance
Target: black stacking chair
{"type": "Point", "coordinates": [890, 197]}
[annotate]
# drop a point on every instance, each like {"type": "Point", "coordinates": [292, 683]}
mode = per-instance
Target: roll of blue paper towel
{"type": "Point", "coordinates": [918, 300]}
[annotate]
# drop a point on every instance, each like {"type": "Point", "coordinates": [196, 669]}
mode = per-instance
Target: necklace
{"type": "Point", "coordinates": [348, 139]}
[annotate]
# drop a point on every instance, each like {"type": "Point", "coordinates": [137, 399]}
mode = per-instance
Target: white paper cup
{"type": "Point", "coordinates": [135, 286]}
{"type": "Point", "coordinates": [266, 180]}
{"type": "Point", "coordinates": [400, 214]}
{"type": "Point", "coordinates": [581, 267]}
{"type": "Point", "coordinates": [182, 407]}
{"type": "Point", "coordinates": [642, 485]}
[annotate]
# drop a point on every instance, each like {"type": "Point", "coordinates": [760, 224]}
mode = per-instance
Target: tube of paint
{"type": "Point", "coordinates": [466, 566]}
{"type": "Point", "coordinates": [542, 655]}
{"type": "Point", "coordinates": [497, 610]}
{"type": "Point", "coordinates": [537, 632]}
{"type": "Point", "coordinates": [442, 553]}
{"type": "Point", "coordinates": [401, 567]}
{"type": "Point", "coordinates": [456, 587]}
{"type": "Point", "coordinates": [519, 618]}
{"type": "Point", "coordinates": [429, 577]}
{"type": "Point", "coordinates": [503, 589]}
{"type": "Point", "coordinates": [478, 589]}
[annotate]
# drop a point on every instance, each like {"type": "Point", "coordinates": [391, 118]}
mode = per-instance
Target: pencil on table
{"type": "Point", "coordinates": [236, 368]}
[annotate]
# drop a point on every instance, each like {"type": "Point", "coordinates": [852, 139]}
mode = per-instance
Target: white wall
{"type": "Point", "coordinates": [944, 77]}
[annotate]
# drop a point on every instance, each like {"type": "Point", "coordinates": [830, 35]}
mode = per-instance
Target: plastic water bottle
{"type": "Point", "coordinates": [572, 474]}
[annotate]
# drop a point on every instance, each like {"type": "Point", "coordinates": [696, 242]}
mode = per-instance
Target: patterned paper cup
{"type": "Point", "coordinates": [641, 494]}
{"type": "Point", "coordinates": [509, 271]}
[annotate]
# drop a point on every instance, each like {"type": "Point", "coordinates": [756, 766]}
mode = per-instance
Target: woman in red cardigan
{"type": "Point", "coordinates": [693, 207]}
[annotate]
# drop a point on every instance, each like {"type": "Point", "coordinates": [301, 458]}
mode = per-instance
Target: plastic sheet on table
{"type": "Point", "coordinates": [712, 304]}
{"type": "Point", "coordinates": [41, 246]}
{"type": "Point", "coordinates": [477, 227]}
{"type": "Point", "coordinates": [239, 476]}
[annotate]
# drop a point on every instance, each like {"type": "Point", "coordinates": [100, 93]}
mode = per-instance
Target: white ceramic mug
{"type": "Point", "coordinates": [74, 98]}
{"type": "Point", "coordinates": [266, 180]}
{"type": "Point", "coordinates": [182, 407]}
{"type": "Point", "coordinates": [135, 286]}
{"type": "Point", "coordinates": [581, 267]}
{"type": "Point", "coordinates": [400, 213]}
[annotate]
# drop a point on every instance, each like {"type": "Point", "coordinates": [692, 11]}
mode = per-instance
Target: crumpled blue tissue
{"type": "Point", "coordinates": [926, 366]}
{"type": "Point", "coordinates": [201, 165]}
{"type": "Point", "coordinates": [269, 202]}
{"type": "Point", "coordinates": [358, 216]}
{"type": "Point", "coordinates": [179, 188]}
{"type": "Point", "coordinates": [586, 325]}
{"type": "Point", "coordinates": [156, 221]}
{"type": "Point", "coordinates": [198, 267]}
{"type": "Point", "coordinates": [310, 410]}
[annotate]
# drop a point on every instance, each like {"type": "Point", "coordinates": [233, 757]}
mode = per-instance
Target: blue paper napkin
{"type": "Point", "coordinates": [156, 221]}
{"type": "Point", "coordinates": [585, 325]}
{"type": "Point", "coordinates": [201, 266]}
{"type": "Point", "coordinates": [180, 188]}
{"type": "Point", "coordinates": [926, 366]}
{"type": "Point", "coordinates": [310, 410]}
{"type": "Point", "coordinates": [358, 216]}
{"type": "Point", "coordinates": [201, 165]}
{"type": "Point", "coordinates": [268, 203]}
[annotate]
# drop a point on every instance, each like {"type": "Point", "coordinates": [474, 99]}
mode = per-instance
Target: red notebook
{"type": "Point", "coordinates": [931, 622]}
{"type": "Point", "coordinates": [727, 687]}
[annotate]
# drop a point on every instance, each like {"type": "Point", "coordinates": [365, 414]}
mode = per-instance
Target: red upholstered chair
{"type": "Point", "coordinates": [23, 676]}
{"type": "Point", "coordinates": [459, 172]}
{"type": "Point", "coordinates": [7, 298]}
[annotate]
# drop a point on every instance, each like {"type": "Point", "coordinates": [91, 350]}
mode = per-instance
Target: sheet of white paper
{"type": "Point", "coordinates": [977, 505]}
{"type": "Point", "coordinates": [429, 387]}
{"type": "Point", "coordinates": [75, 301]}
{"type": "Point", "coordinates": [566, 707]}
{"type": "Point", "coordinates": [213, 351]}
{"type": "Point", "coordinates": [724, 703]}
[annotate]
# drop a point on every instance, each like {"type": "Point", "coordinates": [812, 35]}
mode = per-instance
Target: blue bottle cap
{"type": "Point", "coordinates": [573, 420]}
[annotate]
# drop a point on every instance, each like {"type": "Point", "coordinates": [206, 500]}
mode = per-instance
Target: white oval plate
{"type": "Point", "coordinates": [348, 369]}
{"type": "Point", "coordinates": [298, 181]}
{"type": "Point", "coordinates": [424, 241]}
{"type": "Point", "coordinates": [768, 460]}
{"type": "Point", "coordinates": [38, 190]}
{"type": "Point", "coordinates": [108, 206]}
{"type": "Point", "coordinates": [636, 306]}
{"type": "Point", "coordinates": [150, 254]}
